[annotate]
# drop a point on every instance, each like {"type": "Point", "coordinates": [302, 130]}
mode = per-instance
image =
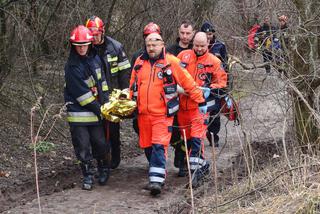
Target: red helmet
{"type": "Point", "coordinates": [151, 28]}
{"type": "Point", "coordinates": [283, 18]}
{"type": "Point", "coordinates": [95, 24]}
{"type": "Point", "coordinates": [81, 36]}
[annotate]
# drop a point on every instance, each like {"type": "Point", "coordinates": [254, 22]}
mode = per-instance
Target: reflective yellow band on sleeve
{"type": "Point", "coordinates": [124, 65]}
{"type": "Point", "coordinates": [98, 72]}
{"type": "Point", "coordinates": [114, 70]}
{"type": "Point", "coordinates": [87, 100]}
{"type": "Point", "coordinates": [81, 117]}
{"type": "Point", "coordinates": [105, 86]}
{"type": "Point", "coordinates": [90, 82]}
{"type": "Point", "coordinates": [112, 59]}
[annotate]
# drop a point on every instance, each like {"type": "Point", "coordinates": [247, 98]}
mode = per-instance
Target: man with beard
{"type": "Point", "coordinates": [153, 85]}
{"type": "Point", "coordinates": [207, 71]}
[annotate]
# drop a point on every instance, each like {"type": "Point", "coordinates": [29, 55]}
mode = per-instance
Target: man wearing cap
{"type": "Point", "coordinates": [153, 85]}
{"type": "Point", "coordinates": [218, 49]}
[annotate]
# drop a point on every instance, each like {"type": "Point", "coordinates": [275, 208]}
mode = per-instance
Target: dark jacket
{"type": "Point", "coordinates": [175, 49]}
{"type": "Point", "coordinates": [283, 36]}
{"type": "Point", "coordinates": [85, 89]}
{"type": "Point", "coordinates": [116, 63]}
{"type": "Point", "coordinates": [264, 36]}
{"type": "Point", "coordinates": [218, 49]}
{"type": "Point", "coordinates": [136, 55]}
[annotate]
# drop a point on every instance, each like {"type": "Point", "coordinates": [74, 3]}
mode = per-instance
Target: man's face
{"type": "Point", "coordinates": [154, 48]}
{"type": "Point", "coordinates": [282, 23]}
{"type": "Point", "coordinates": [210, 35]}
{"type": "Point", "coordinates": [266, 20]}
{"type": "Point", "coordinates": [186, 34]}
{"type": "Point", "coordinates": [200, 46]}
{"type": "Point", "coordinates": [97, 39]}
{"type": "Point", "coordinates": [82, 49]}
{"type": "Point", "coordinates": [97, 36]}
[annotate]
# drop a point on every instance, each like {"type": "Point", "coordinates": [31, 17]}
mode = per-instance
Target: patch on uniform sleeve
{"type": "Point", "coordinates": [160, 75]}
{"type": "Point", "coordinates": [123, 54]}
{"type": "Point", "coordinates": [200, 66]}
{"type": "Point", "coordinates": [183, 64]}
{"type": "Point", "coordinates": [186, 57]}
{"type": "Point", "coordinates": [202, 76]}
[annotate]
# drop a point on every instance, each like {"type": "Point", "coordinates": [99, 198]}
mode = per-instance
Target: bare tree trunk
{"type": "Point", "coordinates": [110, 16]}
{"type": "Point", "coordinates": [4, 64]}
{"type": "Point", "coordinates": [202, 8]}
{"type": "Point", "coordinates": [305, 66]}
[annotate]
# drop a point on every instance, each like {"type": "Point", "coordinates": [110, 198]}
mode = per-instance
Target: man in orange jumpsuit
{"type": "Point", "coordinates": [153, 85]}
{"type": "Point", "coordinates": [207, 71]}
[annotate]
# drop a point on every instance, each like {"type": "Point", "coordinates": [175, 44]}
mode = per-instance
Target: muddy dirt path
{"type": "Point", "coordinates": [125, 192]}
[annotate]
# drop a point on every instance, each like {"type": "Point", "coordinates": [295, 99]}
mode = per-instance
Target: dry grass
{"type": "Point", "coordinates": [277, 189]}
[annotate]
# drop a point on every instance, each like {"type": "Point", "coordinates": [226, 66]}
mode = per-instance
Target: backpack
{"type": "Point", "coordinates": [252, 33]}
{"type": "Point", "coordinates": [230, 109]}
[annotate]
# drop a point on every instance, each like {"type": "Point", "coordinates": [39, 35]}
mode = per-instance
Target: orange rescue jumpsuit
{"type": "Point", "coordinates": [207, 71]}
{"type": "Point", "coordinates": [147, 87]}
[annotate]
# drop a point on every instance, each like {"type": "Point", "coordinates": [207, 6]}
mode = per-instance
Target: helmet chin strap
{"type": "Point", "coordinates": [102, 39]}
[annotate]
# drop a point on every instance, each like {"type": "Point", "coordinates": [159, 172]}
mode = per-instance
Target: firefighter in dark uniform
{"type": "Point", "coordinates": [117, 68]}
{"type": "Point", "coordinates": [85, 91]}
{"type": "Point", "coordinates": [218, 49]}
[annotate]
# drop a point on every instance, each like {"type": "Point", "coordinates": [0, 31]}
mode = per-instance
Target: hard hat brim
{"type": "Point", "coordinates": [80, 43]}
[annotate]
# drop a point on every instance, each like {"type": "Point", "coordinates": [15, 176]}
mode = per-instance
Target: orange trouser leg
{"type": "Point", "coordinates": [193, 122]}
{"type": "Point", "coordinates": [154, 130]}
{"type": "Point", "coordinates": [155, 137]}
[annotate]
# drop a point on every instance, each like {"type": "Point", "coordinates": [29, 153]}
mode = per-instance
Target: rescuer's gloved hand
{"type": "Point", "coordinates": [206, 92]}
{"type": "Point", "coordinates": [203, 108]}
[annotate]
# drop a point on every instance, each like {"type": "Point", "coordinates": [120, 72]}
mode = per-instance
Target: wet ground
{"type": "Point", "coordinates": [60, 188]}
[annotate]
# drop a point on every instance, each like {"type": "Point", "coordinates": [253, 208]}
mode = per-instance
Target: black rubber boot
{"type": "Point", "coordinates": [215, 139]}
{"type": "Point", "coordinates": [87, 171]}
{"type": "Point", "coordinates": [209, 138]}
{"type": "Point", "coordinates": [199, 175]}
{"type": "Point", "coordinates": [155, 188]}
{"type": "Point", "coordinates": [103, 172]}
{"type": "Point", "coordinates": [115, 155]}
{"type": "Point", "coordinates": [183, 169]}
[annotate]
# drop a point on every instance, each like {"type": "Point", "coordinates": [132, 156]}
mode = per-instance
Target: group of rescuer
{"type": "Point", "coordinates": [176, 90]}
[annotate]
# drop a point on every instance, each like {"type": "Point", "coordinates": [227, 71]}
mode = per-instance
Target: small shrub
{"type": "Point", "coordinates": [43, 146]}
